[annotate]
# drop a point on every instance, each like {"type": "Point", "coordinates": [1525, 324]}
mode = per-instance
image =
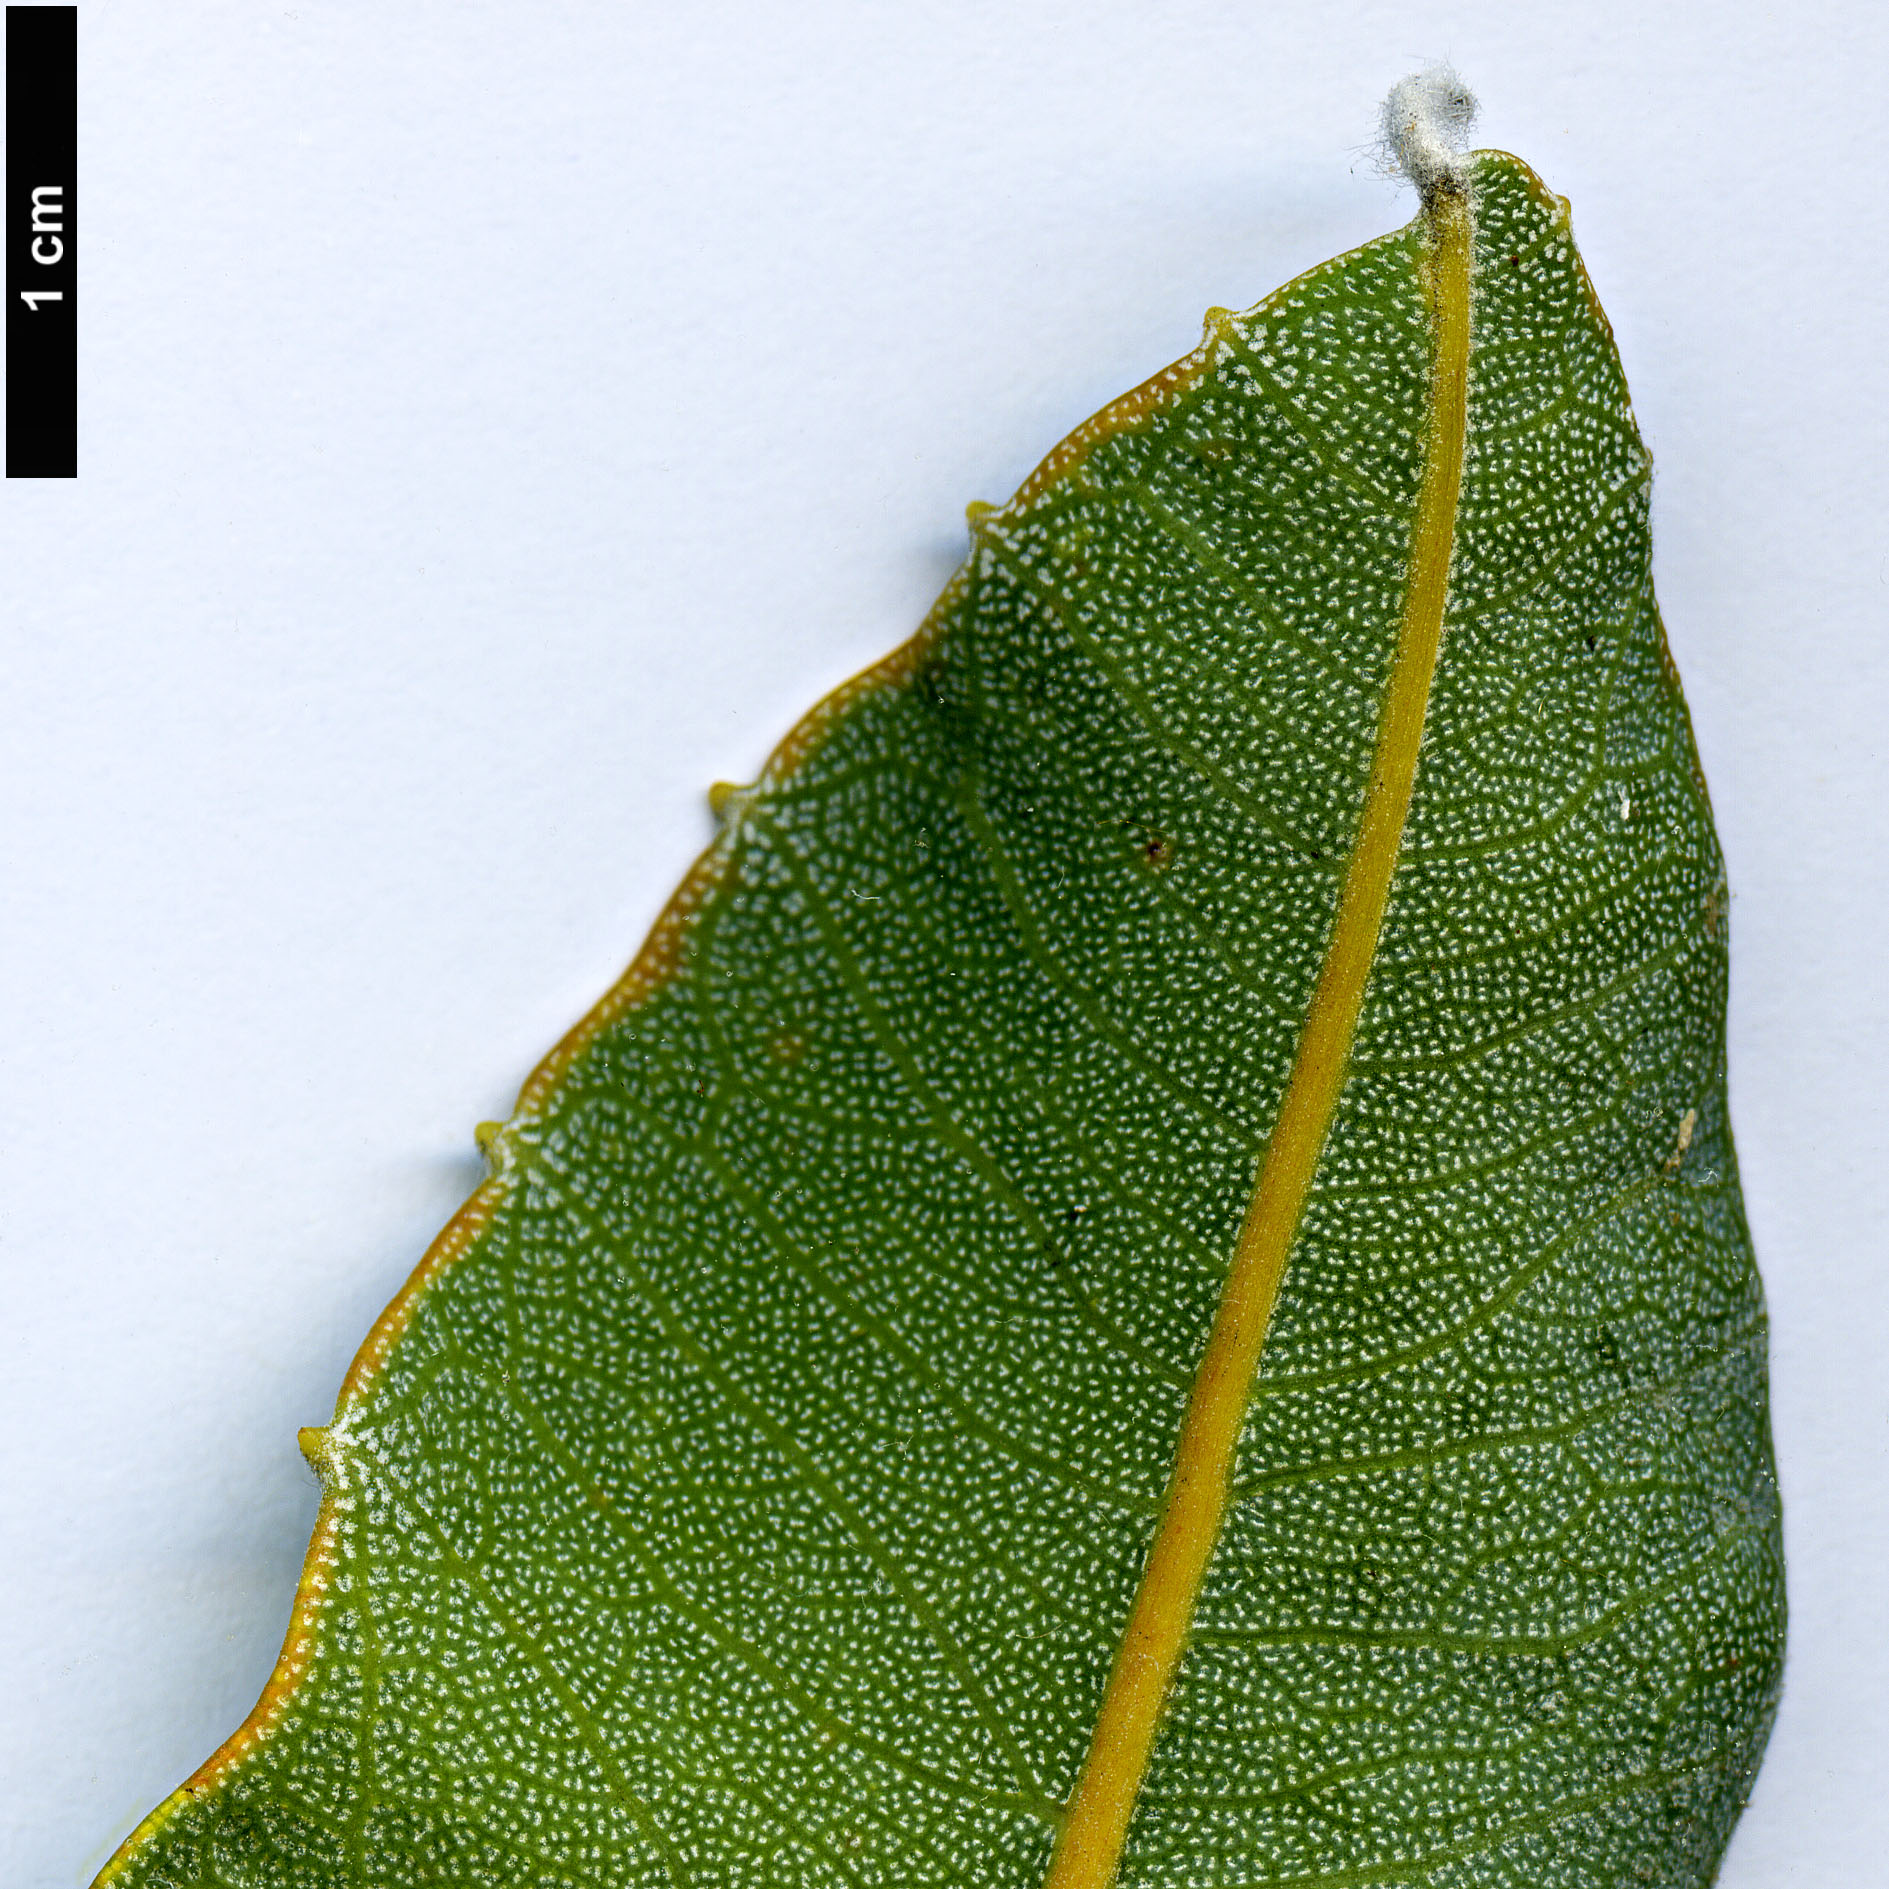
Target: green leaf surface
{"type": "Point", "coordinates": [753, 1484]}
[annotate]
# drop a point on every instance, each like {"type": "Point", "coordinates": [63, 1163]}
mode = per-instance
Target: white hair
{"type": "Point", "coordinates": [1427, 120]}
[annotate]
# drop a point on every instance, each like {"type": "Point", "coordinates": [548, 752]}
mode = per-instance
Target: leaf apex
{"type": "Point", "coordinates": [1424, 127]}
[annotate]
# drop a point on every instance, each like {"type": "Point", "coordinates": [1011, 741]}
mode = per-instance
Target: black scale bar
{"type": "Point", "coordinates": [42, 282]}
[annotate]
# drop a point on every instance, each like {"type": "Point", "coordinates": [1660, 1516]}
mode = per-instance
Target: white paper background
{"type": "Point", "coordinates": [499, 422]}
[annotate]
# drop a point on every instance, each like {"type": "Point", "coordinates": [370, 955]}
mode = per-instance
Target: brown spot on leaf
{"type": "Point", "coordinates": [1154, 850]}
{"type": "Point", "coordinates": [1714, 912]}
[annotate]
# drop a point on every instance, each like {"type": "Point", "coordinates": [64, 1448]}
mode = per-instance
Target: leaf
{"type": "Point", "coordinates": [821, 1446]}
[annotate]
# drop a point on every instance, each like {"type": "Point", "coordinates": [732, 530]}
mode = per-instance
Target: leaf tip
{"type": "Point", "coordinates": [1425, 124]}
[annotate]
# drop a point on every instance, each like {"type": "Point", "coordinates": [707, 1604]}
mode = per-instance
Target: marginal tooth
{"type": "Point", "coordinates": [313, 1443]}
{"type": "Point", "coordinates": [726, 799]}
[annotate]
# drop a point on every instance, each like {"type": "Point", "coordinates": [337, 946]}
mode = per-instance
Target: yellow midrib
{"type": "Point", "coordinates": [1096, 1826]}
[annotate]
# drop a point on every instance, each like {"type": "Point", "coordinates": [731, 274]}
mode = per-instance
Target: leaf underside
{"type": "Point", "coordinates": [752, 1487]}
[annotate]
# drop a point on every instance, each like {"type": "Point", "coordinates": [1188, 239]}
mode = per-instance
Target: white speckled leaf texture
{"type": "Point", "coordinates": [751, 1487]}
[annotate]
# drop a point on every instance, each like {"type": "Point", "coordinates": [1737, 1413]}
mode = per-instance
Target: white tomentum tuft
{"type": "Point", "coordinates": [1427, 121]}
